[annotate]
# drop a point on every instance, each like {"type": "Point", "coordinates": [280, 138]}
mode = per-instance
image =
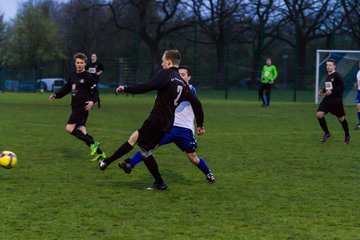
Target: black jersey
{"type": "Point", "coordinates": [334, 83]}
{"type": "Point", "coordinates": [171, 89]}
{"type": "Point", "coordinates": [93, 68]}
{"type": "Point", "coordinates": [82, 87]}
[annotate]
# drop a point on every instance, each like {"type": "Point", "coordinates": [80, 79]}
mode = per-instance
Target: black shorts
{"type": "Point", "coordinates": [150, 135]}
{"type": "Point", "coordinates": [266, 87]}
{"type": "Point", "coordinates": [334, 107]}
{"type": "Point", "coordinates": [78, 117]}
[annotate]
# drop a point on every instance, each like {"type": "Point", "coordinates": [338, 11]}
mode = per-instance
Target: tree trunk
{"type": "Point", "coordinates": [220, 53]}
{"type": "Point", "coordinates": [300, 82]}
{"type": "Point", "coordinates": [255, 68]}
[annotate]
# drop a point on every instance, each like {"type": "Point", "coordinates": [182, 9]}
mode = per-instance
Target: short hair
{"type": "Point", "coordinates": [331, 60]}
{"type": "Point", "coordinates": [268, 58]}
{"type": "Point", "coordinates": [187, 68]}
{"type": "Point", "coordinates": [81, 56]}
{"type": "Point", "coordinates": [173, 55]}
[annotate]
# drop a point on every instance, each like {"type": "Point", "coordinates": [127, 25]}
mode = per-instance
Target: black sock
{"type": "Point", "coordinates": [90, 137]}
{"type": "Point", "coordinates": [99, 102]}
{"type": "Point", "coordinates": [345, 126]}
{"type": "Point", "coordinates": [153, 169]}
{"type": "Point", "coordinates": [80, 135]}
{"type": "Point", "coordinates": [98, 150]}
{"type": "Point", "coordinates": [268, 99]}
{"type": "Point", "coordinates": [124, 149]}
{"type": "Point", "coordinates": [323, 125]}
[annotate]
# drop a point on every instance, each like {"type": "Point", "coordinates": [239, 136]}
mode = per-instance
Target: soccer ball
{"type": "Point", "coordinates": [8, 159]}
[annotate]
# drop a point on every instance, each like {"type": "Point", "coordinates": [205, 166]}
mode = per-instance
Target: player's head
{"type": "Point", "coordinates": [330, 65]}
{"type": "Point", "coordinates": [93, 57]}
{"type": "Point", "coordinates": [185, 72]}
{"type": "Point", "coordinates": [80, 61]}
{"type": "Point", "coordinates": [171, 58]}
{"type": "Point", "coordinates": [268, 61]}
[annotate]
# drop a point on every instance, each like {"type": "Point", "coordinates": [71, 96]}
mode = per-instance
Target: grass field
{"type": "Point", "coordinates": [274, 178]}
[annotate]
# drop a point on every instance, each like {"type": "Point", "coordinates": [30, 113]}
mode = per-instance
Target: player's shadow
{"type": "Point", "coordinates": [139, 179]}
{"type": "Point", "coordinates": [69, 153]}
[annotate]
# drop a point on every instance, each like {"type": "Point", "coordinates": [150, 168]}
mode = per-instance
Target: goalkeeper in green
{"type": "Point", "coordinates": [268, 76]}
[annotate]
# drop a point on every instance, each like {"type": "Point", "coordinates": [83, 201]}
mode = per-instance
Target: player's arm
{"type": "Point", "coordinates": [94, 93]}
{"type": "Point", "coordinates": [339, 86]}
{"type": "Point", "coordinates": [275, 74]}
{"type": "Point", "coordinates": [197, 108]}
{"type": "Point", "coordinates": [62, 92]}
{"type": "Point", "coordinates": [101, 69]}
{"type": "Point", "coordinates": [322, 91]}
{"type": "Point", "coordinates": [356, 84]}
{"type": "Point", "coordinates": [151, 85]}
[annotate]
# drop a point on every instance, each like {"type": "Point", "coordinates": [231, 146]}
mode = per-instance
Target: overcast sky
{"type": "Point", "coordinates": [8, 8]}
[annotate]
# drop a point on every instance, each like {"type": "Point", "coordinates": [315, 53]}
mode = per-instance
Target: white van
{"type": "Point", "coordinates": [50, 84]}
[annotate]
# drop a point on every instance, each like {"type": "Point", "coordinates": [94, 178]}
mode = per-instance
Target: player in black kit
{"type": "Point", "coordinates": [332, 101]}
{"type": "Point", "coordinates": [171, 89]}
{"type": "Point", "coordinates": [96, 69]}
{"type": "Point", "coordinates": [81, 84]}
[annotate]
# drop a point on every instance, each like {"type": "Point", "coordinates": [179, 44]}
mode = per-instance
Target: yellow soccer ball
{"type": "Point", "coordinates": [8, 159]}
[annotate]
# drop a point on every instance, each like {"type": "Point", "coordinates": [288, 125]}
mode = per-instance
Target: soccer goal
{"type": "Point", "coordinates": [347, 64]}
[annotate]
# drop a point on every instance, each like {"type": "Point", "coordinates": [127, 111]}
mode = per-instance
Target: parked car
{"type": "Point", "coordinates": [50, 84]}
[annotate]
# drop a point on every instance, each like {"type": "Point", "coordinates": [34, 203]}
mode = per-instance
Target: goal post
{"type": "Point", "coordinates": [347, 65]}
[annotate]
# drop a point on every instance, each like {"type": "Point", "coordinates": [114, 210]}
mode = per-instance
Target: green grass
{"type": "Point", "coordinates": [274, 178]}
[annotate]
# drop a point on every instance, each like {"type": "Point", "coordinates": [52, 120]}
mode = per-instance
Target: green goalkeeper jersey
{"type": "Point", "coordinates": [269, 74]}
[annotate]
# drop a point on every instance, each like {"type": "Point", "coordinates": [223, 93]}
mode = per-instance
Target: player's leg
{"type": "Point", "coordinates": [121, 151]}
{"type": "Point", "coordinates": [345, 127]}
{"type": "Point", "coordinates": [130, 163]}
{"type": "Point", "coordinates": [153, 168]}
{"type": "Point", "coordinates": [261, 94]}
{"type": "Point", "coordinates": [358, 115]}
{"type": "Point", "coordinates": [98, 96]}
{"type": "Point", "coordinates": [185, 140]}
{"type": "Point", "coordinates": [201, 164]}
{"type": "Point", "coordinates": [358, 111]}
{"type": "Point", "coordinates": [79, 118]}
{"type": "Point", "coordinates": [94, 147]}
{"type": "Point", "coordinates": [267, 94]}
{"type": "Point", "coordinates": [76, 119]}
{"type": "Point", "coordinates": [322, 110]}
{"type": "Point", "coordinates": [321, 118]}
{"type": "Point", "coordinates": [339, 111]}
{"type": "Point", "coordinates": [150, 135]}
{"type": "Point", "coordinates": [73, 130]}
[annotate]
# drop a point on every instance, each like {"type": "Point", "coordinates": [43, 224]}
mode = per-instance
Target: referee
{"type": "Point", "coordinates": [171, 90]}
{"type": "Point", "coordinates": [332, 102]}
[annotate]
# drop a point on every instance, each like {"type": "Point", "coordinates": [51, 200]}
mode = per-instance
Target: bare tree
{"type": "Point", "coordinates": [265, 23]}
{"type": "Point", "coordinates": [306, 18]}
{"type": "Point", "coordinates": [152, 21]}
{"type": "Point", "coordinates": [81, 26]}
{"type": "Point", "coordinates": [352, 10]}
{"type": "Point", "coordinates": [220, 20]}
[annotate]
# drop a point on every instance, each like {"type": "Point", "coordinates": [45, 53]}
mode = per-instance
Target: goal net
{"type": "Point", "coordinates": [347, 65]}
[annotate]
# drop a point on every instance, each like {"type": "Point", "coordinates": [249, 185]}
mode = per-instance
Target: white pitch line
{"type": "Point", "coordinates": [63, 126]}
